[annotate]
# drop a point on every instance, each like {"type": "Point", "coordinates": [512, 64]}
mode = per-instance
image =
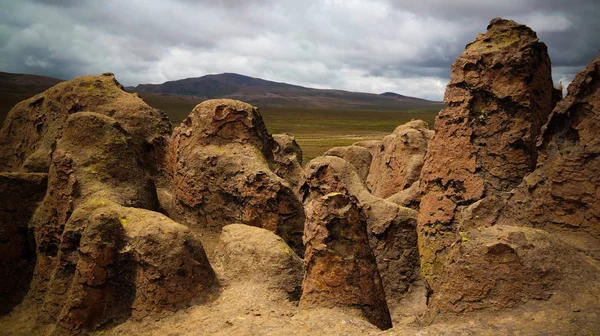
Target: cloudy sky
{"type": "Point", "coordinates": [405, 46]}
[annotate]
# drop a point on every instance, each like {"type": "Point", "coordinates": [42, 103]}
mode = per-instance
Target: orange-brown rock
{"type": "Point", "coordinates": [98, 258]}
{"type": "Point", "coordinates": [115, 262]}
{"type": "Point", "coordinates": [564, 190]}
{"type": "Point", "coordinates": [503, 266]}
{"type": "Point", "coordinates": [391, 228]}
{"type": "Point", "coordinates": [498, 98]}
{"type": "Point", "coordinates": [359, 157]}
{"type": "Point", "coordinates": [398, 163]}
{"type": "Point", "coordinates": [341, 271]}
{"type": "Point", "coordinates": [222, 171]}
{"type": "Point", "coordinates": [21, 194]}
{"type": "Point", "coordinates": [33, 125]}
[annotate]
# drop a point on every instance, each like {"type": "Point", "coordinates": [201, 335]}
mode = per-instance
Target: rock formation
{"type": "Point", "coordinates": [249, 254]}
{"type": "Point", "coordinates": [98, 258]}
{"type": "Point", "coordinates": [391, 229]}
{"type": "Point", "coordinates": [564, 190]}
{"type": "Point", "coordinates": [222, 167]}
{"type": "Point", "coordinates": [359, 157]}
{"type": "Point", "coordinates": [410, 197]}
{"type": "Point", "coordinates": [288, 156]}
{"type": "Point", "coordinates": [398, 163]}
{"type": "Point", "coordinates": [498, 98]}
{"type": "Point", "coordinates": [32, 125]}
{"type": "Point", "coordinates": [340, 267]}
{"type": "Point", "coordinates": [21, 194]}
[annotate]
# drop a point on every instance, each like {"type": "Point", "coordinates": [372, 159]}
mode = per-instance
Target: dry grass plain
{"type": "Point", "coordinates": [316, 130]}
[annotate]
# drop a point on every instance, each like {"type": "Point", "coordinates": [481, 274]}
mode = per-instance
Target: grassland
{"type": "Point", "coordinates": [316, 130]}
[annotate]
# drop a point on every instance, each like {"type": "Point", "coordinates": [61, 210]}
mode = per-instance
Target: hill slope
{"type": "Point", "coordinates": [264, 93]}
{"type": "Point", "coordinates": [17, 87]}
{"type": "Point", "coordinates": [10, 82]}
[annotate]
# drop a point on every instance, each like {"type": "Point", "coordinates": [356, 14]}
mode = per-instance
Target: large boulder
{"type": "Point", "coordinates": [502, 266]}
{"type": "Point", "coordinates": [340, 268]}
{"type": "Point", "coordinates": [498, 98]}
{"type": "Point", "coordinates": [221, 166]}
{"type": "Point", "coordinates": [99, 257]}
{"type": "Point", "coordinates": [391, 228]}
{"type": "Point", "coordinates": [400, 159]}
{"type": "Point", "coordinates": [248, 254]}
{"type": "Point", "coordinates": [564, 191]}
{"type": "Point", "coordinates": [21, 194]}
{"type": "Point", "coordinates": [33, 125]}
{"type": "Point", "coordinates": [115, 262]}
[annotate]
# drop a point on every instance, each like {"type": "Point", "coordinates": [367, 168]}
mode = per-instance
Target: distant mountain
{"type": "Point", "coordinates": [17, 87]}
{"type": "Point", "coordinates": [23, 83]}
{"type": "Point", "coordinates": [262, 92]}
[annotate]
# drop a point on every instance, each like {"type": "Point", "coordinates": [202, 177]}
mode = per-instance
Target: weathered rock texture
{"type": "Point", "coordinates": [98, 259]}
{"type": "Point", "coordinates": [20, 193]}
{"type": "Point", "coordinates": [564, 190]}
{"type": "Point", "coordinates": [250, 254]}
{"type": "Point", "coordinates": [288, 156]}
{"type": "Point", "coordinates": [373, 146]}
{"type": "Point", "coordinates": [410, 197]}
{"type": "Point", "coordinates": [391, 228]}
{"type": "Point", "coordinates": [32, 126]}
{"type": "Point", "coordinates": [359, 157]}
{"type": "Point", "coordinates": [498, 98]}
{"type": "Point", "coordinates": [340, 267]}
{"type": "Point", "coordinates": [222, 171]}
{"type": "Point", "coordinates": [400, 159]}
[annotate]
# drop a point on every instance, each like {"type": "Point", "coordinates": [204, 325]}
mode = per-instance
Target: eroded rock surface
{"type": "Point", "coordinates": [498, 98]}
{"type": "Point", "coordinates": [21, 194]}
{"type": "Point", "coordinates": [391, 228]}
{"type": "Point", "coordinates": [288, 156]}
{"type": "Point", "coordinates": [250, 254]}
{"type": "Point", "coordinates": [98, 258]}
{"type": "Point", "coordinates": [222, 171]}
{"type": "Point", "coordinates": [32, 126]}
{"type": "Point", "coordinates": [398, 163]}
{"type": "Point", "coordinates": [359, 157]}
{"type": "Point", "coordinates": [341, 271]}
{"type": "Point", "coordinates": [564, 190]}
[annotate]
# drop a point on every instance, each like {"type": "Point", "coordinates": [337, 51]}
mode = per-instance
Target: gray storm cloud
{"type": "Point", "coordinates": [372, 46]}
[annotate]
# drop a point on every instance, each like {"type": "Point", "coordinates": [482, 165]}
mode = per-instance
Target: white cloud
{"type": "Point", "coordinates": [359, 45]}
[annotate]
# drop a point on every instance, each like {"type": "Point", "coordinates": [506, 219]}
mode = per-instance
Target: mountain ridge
{"type": "Point", "coordinates": [267, 93]}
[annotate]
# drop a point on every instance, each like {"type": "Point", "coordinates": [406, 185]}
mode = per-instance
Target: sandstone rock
{"type": "Point", "coordinates": [98, 258]}
{"type": "Point", "coordinates": [400, 159]}
{"type": "Point", "coordinates": [564, 190]}
{"type": "Point", "coordinates": [359, 157]}
{"type": "Point", "coordinates": [251, 254]}
{"type": "Point", "coordinates": [114, 262]}
{"type": "Point", "coordinates": [32, 126]}
{"type": "Point", "coordinates": [499, 96]}
{"type": "Point", "coordinates": [340, 267]}
{"type": "Point", "coordinates": [501, 266]}
{"type": "Point", "coordinates": [93, 160]}
{"type": "Point", "coordinates": [288, 156]}
{"type": "Point", "coordinates": [409, 198]}
{"type": "Point", "coordinates": [374, 146]}
{"type": "Point", "coordinates": [20, 193]}
{"type": "Point", "coordinates": [221, 166]}
{"type": "Point", "coordinates": [391, 229]}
